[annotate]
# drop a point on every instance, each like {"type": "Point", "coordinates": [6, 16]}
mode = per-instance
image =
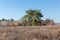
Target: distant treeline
{"type": "Point", "coordinates": [20, 23]}
{"type": "Point", "coordinates": [3, 19]}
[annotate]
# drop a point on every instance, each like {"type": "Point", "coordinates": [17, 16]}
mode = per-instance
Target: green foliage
{"type": "Point", "coordinates": [11, 19]}
{"type": "Point", "coordinates": [3, 19]}
{"type": "Point", "coordinates": [31, 16]}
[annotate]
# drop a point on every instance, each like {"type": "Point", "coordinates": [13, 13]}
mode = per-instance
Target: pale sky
{"type": "Point", "coordinates": [16, 8]}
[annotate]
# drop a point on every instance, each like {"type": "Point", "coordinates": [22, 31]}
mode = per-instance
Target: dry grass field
{"type": "Point", "coordinates": [30, 33]}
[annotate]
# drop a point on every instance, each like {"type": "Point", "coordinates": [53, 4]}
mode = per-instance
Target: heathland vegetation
{"type": "Point", "coordinates": [30, 27]}
{"type": "Point", "coordinates": [32, 18]}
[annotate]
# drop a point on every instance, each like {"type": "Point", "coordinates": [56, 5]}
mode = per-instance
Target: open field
{"type": "Point", "coordinates": [30, 33]}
